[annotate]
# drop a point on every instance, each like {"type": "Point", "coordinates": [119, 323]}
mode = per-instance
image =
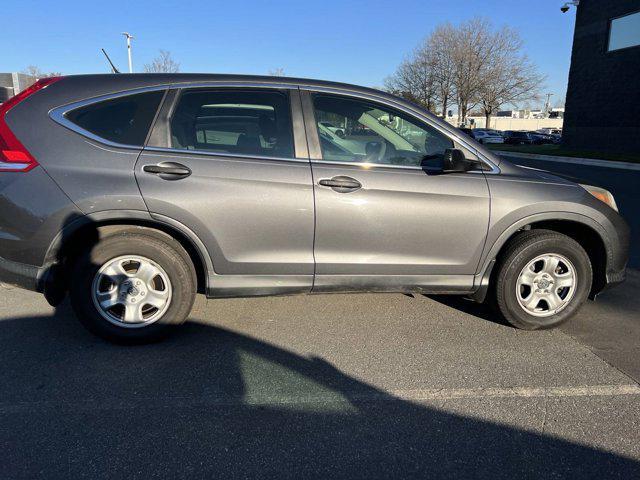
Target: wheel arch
{"type": "Point", "coordinates": [81, 230]}
{"type": "Point", "coordinates": [584, 230]}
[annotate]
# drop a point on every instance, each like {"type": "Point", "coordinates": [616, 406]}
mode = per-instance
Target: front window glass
{"type": "Point", "coordinates": [352, 130]}
{"type": "Point", "coordinates": [251, 122]}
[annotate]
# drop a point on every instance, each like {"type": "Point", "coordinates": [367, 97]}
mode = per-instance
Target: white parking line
{"type": "Point", "coordinates": [327, 398]}
{"type": "Point", "coordinates": [514, 392]}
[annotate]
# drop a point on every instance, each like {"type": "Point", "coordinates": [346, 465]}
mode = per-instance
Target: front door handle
{"type": "Point", "coordinates": [168, 170]}
{"type": "Point", "coordinates": [341, 184]}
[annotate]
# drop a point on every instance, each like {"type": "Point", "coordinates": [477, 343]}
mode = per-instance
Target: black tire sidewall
{"type": "Point", "coordinates": [178, 268]}
{"type": "Point", "coordinates": [513, 265]}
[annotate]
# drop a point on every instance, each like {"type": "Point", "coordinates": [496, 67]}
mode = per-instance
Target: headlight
{"type": "Point", "coordinates": [602, 194]}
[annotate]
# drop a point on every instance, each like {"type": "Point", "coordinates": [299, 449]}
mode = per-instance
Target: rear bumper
{"type": "Point", "coordinates": [21, 275]}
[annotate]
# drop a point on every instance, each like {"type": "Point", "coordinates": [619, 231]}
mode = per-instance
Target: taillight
{"type": "Point", "coordinates": [13, 156]}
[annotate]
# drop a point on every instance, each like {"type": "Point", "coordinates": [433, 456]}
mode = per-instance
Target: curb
{"type": "Point", "coordinates": [575, 160]}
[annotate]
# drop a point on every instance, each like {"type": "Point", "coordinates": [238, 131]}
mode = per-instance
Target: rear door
{"type": "Point", "coordinates": [231, 165]}
{"type": "Point", "coordinates": [382, 219]}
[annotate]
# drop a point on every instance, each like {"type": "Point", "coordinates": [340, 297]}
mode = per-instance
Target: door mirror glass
{"type": "Point", "coordinates": [455, 161]}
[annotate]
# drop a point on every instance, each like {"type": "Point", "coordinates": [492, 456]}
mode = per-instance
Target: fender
{"type": "Point", "coordinates": [482, 277]}
{"type": "Point", "coordinates": [51, 257]}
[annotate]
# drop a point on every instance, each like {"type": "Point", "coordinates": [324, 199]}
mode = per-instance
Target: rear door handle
{"type": "Point", "coordinates": [341, 184]}
{"type": "Point", "coordinates": [168, 170]}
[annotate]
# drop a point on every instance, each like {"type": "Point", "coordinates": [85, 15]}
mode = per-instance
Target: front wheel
{"type": "Point", "coordinates": [133, 286]}
{"type": "Point", "coordinates": [542, 280]}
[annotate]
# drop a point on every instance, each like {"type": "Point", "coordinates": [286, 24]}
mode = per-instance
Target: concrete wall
{"type": "Point", "coordinates": [508, 123]}
{"type": "Point", "coordinates": [603, 96]}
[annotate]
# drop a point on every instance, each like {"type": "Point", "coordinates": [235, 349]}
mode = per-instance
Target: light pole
{"type": "Point", "coordinates": [129, 37]}
{"type": "Point", "coordinates": [547, 105]}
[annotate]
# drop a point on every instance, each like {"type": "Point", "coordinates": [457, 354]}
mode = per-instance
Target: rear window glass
{"type": "Point", "coordinates": [247, 122]}
{"type": "Point", "coordinates": [124, 120]}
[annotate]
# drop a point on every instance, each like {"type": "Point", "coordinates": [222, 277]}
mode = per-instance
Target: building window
{"type": "Point", "coordinates": [624, 32]}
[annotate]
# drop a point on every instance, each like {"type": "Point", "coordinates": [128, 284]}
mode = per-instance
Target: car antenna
{"type": "Point", "coordinates": [113, 67]}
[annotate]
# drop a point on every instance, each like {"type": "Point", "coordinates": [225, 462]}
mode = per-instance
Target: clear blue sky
{"type": "Point", "coordinates": [352, 41]}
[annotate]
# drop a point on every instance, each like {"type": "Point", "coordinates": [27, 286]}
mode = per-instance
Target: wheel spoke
{"type": "Point", "coordinates": [553, 300]}
{"type": "Point", "coordinates": [565, 280]}
{"type": "Point", "coordinates": [551, 264]}
{"type": "Point", "coordinates": [108, 299]}
{"type": "Point", "coordinates": [147, 272]}
{"type": "Point", "coordinates": [132, 313]}
{"type": "Point", "coordinates": [527, 277]}
{"type": "Point", "coordinates": [532, 301]}
{"type": "Point", "coordinates": [115, 272]}
{"type": "Point", "coordinates": [157, 298]}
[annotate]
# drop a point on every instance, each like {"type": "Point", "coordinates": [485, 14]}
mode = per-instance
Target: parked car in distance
{"type": "Point", "coordinates": [133, 193]}
{"type": "Point", "coordinates": [544, 138]}
{"type": "Point", "coordinates": [332, 128]}
{"type": "Point", "coordinates": [485, 136]}
{"type": "Point", "coordinates": [550, 131]}
{"type": "Point", "coordinates": [513, 137]}
{"type": "Point", "coordinates": [552, 135]}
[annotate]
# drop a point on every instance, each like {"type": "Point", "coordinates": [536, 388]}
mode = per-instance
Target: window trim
{"type": "Point", "coordinates": [58, 115]}
{"type": "Point", "coordinates": [608, 51]}
{"type": "Point", "coordinates": [315, 151]}
{"type": "Point", "coordinates": [299, 138]}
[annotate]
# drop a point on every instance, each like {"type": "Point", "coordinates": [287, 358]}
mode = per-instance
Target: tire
{"type": "Point", "coordinates": [517, 290]}
{"type": "Point", "coordinates": [112, 264]}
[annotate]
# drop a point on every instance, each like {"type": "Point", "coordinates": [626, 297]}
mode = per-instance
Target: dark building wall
{"type": "Point", "coordinates": [603, 95]}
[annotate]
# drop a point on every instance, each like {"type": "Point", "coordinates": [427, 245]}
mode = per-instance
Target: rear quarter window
{"type": "Point", "coordinates": [125, 120]}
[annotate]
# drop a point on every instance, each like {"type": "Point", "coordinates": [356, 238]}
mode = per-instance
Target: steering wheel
{"type": "Point", "coordinates": [382, 154]}
{"type": "Point", "coordinates": [376, 151]}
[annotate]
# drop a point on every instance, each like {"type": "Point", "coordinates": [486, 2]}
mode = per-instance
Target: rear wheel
{"type": "Point", "coordinates": [544, 277]}
{"type": "Point", "coordinates": [133, 286]}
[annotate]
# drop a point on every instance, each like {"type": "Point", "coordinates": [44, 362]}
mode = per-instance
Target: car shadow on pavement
{"type": "Point", "coordinates": [212, 403]}
{"type": "Point", "coordinates": [465, 305]}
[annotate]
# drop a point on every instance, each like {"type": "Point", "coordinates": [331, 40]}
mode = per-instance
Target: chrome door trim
{"type": "Point", "coordinates": [182, 152]}
{"type": "Point", "coordinates": [58, 114]}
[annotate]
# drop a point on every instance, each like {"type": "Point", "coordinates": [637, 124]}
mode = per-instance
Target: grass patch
{"type": "Point", "coordinates": [560, 151]}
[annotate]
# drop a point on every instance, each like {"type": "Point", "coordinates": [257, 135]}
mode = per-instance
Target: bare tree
{"type": "Point", "coordinates": [439, 46]}
{"type": "Point", "coordinates": [508, 77]}
{"type": "Point", "coordinates": [163, 63]}
{"type": "Point", "coordinates": [35, 72]}
{"type": "Point", "coordinates": [471, 50]}
{"type": "Point", "coordinates": [414, 80]}
{"type": "Point", "coordinates": [472, 65]}
{"type": "Point", "coordinates": [277, 72]}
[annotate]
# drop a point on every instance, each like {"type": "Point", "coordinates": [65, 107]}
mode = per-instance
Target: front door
{"type": "Point", "coordinates": [382, 220]}
{"type": "Point", "coordinates": [231, 172]}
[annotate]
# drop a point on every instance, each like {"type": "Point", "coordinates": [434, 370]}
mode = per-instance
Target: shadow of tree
{"type": "Point", "coordinates": [211, 403]}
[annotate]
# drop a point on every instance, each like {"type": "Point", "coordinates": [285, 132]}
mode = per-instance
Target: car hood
{"type": "Point", "coordinates": [532, 173]}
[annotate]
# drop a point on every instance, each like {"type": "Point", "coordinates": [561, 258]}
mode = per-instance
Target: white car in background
{"type": "Point", "coordinates": [332, 128]}
{"type": "Point", "coordinates": [487, 136]}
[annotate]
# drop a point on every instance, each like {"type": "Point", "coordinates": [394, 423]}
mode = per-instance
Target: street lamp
{"type": "Point", "coordinates": [129, 37]}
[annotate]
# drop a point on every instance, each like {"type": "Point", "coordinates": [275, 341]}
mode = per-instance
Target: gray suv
{"type": "Point", "coordinates": [133, 193]}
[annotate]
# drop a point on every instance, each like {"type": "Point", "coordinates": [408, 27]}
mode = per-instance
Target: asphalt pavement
{"type": "Point", "coordinates": [323, 386]}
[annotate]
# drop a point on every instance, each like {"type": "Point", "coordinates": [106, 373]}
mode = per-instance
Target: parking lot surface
{"type": "Point", "coordinates": [327, 386]}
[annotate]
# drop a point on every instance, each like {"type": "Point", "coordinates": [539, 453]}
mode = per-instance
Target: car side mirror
{"type": "Point", "coordinates": [455, 161]}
